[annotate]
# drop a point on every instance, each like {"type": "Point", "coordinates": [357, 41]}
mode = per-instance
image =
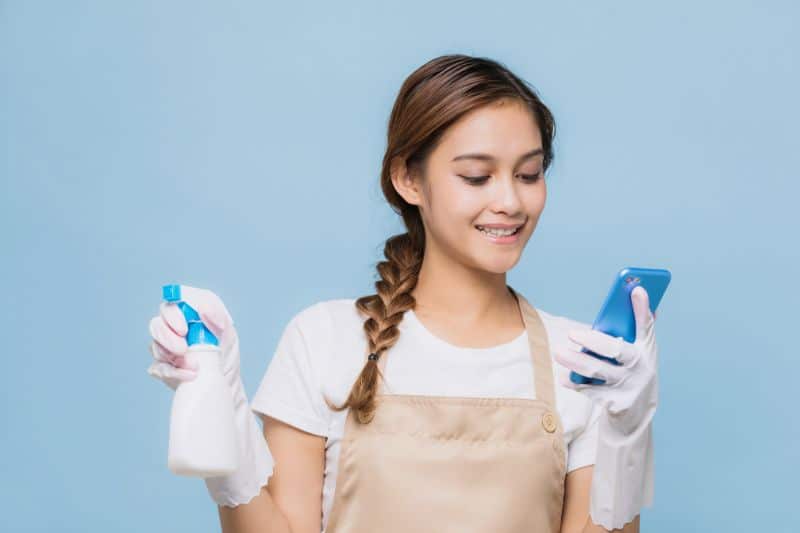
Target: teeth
{"type": "Point", "coordinates": [497, 232]}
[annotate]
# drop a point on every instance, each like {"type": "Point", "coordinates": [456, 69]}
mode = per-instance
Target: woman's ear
{"type": "Point", "coordinates": [406, 182]}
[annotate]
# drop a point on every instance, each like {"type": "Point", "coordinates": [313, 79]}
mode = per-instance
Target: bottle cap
{"type": "Point", "coordinates": [198, 332]}
{"type": "Point", "coordinates": [171, 293]}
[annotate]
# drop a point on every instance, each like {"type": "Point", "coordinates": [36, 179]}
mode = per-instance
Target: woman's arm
{"type": "Point", "coordinates": [575, 517]}
{"type": "Point", "coordinates": [292, 500]}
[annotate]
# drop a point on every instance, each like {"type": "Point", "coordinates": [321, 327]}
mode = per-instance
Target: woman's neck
{"type": "Point", "coordinates": [465, 297]}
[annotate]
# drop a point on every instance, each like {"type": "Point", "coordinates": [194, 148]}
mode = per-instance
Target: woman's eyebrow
{"type": "Point", "coordinates": [488, 157]}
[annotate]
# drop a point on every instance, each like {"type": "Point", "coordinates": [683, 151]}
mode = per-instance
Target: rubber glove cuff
{"type": "Point", "coordinates": [255, 460]}
{"type": "Point", "coordinates": [623, 478]}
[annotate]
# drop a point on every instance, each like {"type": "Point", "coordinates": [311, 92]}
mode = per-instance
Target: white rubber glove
{"type": "Point", "coordinates": [169, 330]}
{"type": "Point", "coordinates": [623, 472]}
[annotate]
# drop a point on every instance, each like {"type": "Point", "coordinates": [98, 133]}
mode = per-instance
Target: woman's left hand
{"type": "Point", "coordinates": [623, 476]}
{"type": "Point", "coordinates": [630, 391]}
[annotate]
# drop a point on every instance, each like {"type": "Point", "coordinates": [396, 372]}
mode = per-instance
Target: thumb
{"type": "Point", "coordinates": [209, 306]}
{"type": "Point", "coordinates": [641, 311]}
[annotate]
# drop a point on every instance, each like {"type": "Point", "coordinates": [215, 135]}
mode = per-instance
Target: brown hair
{"type": "Point", "coordinates": [431, 99]}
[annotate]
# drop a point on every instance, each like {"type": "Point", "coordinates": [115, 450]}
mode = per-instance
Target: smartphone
{"type": "Point", "coordinates": [616, 316]}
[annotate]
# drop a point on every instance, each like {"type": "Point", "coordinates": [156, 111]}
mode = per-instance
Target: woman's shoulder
{"type": "Point", "coordinates": [332, 330]}
{"type": "Point", "coordinates": [325, 317]}
{"type": "Point", "coordinates": [335, 342]}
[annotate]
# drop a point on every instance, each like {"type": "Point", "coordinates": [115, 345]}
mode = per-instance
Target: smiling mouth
{"type": "Point", "coordinates": [504, 234]}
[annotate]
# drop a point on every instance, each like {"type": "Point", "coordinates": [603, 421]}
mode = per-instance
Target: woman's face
{"type": "Point", "coordinates": [487, 169]}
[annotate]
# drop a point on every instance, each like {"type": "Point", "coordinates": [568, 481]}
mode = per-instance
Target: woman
{"type": "Point", "coordinates": [436, 404]}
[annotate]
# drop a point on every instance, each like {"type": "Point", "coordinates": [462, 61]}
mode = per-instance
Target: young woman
{"type": "Point", "coordinates": [441, 402]}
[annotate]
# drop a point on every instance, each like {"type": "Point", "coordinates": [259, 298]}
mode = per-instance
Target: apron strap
{"type": "Point", "coordinates": [539, 349]}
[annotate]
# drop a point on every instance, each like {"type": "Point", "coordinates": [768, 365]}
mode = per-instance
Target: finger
{"type": "Point", "coordinates": [563, 374]}
{"type": "Point", "coordinates": [173, 316]}
{"type": "Point", "coordinates": [628, 354]}
{"type": "Point", "coordinates": [641, 311]}
{"type": "Point", "coordinates": [589, 366]}
{"type": "Point", "coordinates": [163, 370]}
{"type": "Point", "coordinates": [158, 352]}
{"type": "Point", "coordinates": [154, 371]}
{"type": "Point", "coordinates": [169, 374]}
{"type": "Point", "coordinates": [167, 338]}
{"type": "Point", "coordinates": [597, 341]}
{"type": "Point", "coordinates": [161, 354]}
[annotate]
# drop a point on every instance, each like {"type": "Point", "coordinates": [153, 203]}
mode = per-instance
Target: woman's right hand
{"type": "Point", "coordinates": [169, 328]}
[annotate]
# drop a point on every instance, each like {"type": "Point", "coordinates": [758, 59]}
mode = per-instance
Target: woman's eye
{"type": "Point", "coordinates": [477, 180]}
{"type": "Point", "coordinates": [532, 177]}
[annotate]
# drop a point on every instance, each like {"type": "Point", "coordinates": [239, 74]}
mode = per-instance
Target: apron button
{"type": "Point", "coordinates": [549, 422]}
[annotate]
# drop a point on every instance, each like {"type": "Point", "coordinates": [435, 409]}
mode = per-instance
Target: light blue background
{"type": "Point", "coordinates": [135, 132]}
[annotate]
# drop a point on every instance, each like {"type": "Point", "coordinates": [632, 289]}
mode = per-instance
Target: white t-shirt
{"type": "Point", "coordinates": [322, 350]}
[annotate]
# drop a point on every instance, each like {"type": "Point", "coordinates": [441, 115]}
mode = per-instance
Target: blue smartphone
{"type": "Point", "coordinates": [616, 316]}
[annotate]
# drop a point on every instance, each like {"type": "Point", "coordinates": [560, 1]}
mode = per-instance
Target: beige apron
{"type": "Point", "coordinates": [456, 464]}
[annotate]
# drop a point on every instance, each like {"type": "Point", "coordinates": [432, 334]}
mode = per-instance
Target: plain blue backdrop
{"type": "Point", "coordinates": [237, 147]}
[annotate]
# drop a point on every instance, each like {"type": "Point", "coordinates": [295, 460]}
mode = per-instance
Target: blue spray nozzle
{"type": "Point", "coordinates": [171, 293]}
{"type": "Point", "coordinates": [198, 332]}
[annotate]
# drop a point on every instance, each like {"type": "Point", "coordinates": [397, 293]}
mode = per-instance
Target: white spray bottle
{"type": "Point", "coordinates": [202, 434]}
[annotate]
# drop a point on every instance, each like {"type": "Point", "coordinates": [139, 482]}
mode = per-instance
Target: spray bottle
{"type": "Point", "coordinates": [202, 434]}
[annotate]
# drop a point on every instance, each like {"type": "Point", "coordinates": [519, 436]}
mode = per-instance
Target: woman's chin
{"type": "Point", "coordinates": [499, 264]}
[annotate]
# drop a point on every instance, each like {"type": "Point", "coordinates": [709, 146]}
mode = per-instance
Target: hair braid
{"type": "Point", "coordinates": [398, 277]}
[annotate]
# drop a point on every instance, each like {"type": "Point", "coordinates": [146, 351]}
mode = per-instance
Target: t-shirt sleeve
{"type": "Point", "coordinates": [290, 389]}
{"type": "Point", "coordinates": [583, 448]}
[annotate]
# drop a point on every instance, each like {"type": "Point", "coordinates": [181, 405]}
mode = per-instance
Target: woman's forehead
{"type": "Point", "coordinates": [501, 132]}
